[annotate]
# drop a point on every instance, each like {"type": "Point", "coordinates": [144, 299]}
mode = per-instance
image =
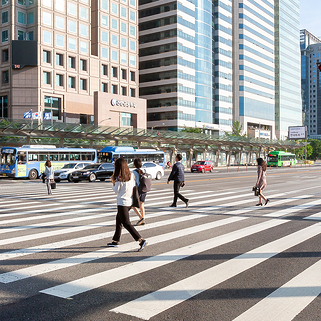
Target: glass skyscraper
{"type": "Point", "coordinates": [288, 102]}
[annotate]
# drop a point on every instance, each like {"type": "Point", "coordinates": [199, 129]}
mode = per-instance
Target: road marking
{"type": "Point", "coordinates": [94, 281]}
{"type": "Point", "coordinates": [156, 302]}
{"type": "Point", "coordinates": [289, 300]}
{"type": "Point", "coordinates": [316, 217]}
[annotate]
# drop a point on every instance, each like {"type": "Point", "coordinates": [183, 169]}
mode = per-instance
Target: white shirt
{"type": "Point", "coordinates": [124, 191]}
{"type": "Point", "coordinates": [49, 172]}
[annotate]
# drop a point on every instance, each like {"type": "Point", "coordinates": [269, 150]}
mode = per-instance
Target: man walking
{"type": "Point", "coordinates": [177, 175]}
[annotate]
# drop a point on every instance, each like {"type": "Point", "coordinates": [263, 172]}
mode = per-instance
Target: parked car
{"type": "Point", "coordinates": [66, 170]}
{"type": "Point", "coordinates": [155, 170]}
{"type": "Point", "coordinates": [202, 166]}
{"type": "Point", "coordinates": [92, 172]}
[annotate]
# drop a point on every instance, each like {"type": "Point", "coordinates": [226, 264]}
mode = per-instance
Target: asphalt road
{"type": "Point", "coordinates": [222, 258]}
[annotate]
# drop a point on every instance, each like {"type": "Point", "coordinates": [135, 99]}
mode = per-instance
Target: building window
{"type": "Point", "coordinates": [30, 18]}
{"type": "Point", "coordinates": [104, 36]}
{"type": "Point", "coordinates": [83, 84]}
{"type": "Point", "coordinates": [132, 45]}
{"type": "Point", "coordinates": [60, 5]}
{"type": "Point", "coordinates": [83, 64]}
{"type": "Point", "coordinates": [30, 35]}
{"type": "Point", "coordinates": [5, 2]}
{"type": "Point", "coordinates": [114, 40]}
{"type": "Point", "coordinates": [46, 77]}
{"type": "Point", "coordinates": [104, 4]}
{"type": "Point", "coordinates": [4, 35]}
{"type": "Point", "coordinates": [72, 9]}
{"type": "Point", "coordinates": [123, 43]}
{"type": "Point", "coordinates": [114, 55]}
{"type": "Point", "coordinates": [83, 30]}
{"type": "Point", "coordinates": [3, 105]}
{"type": "Point", "coordinates": [104, 70]}
{"type": "Point", "coordinates": [114, 24]}
{"type": "Point", "coordinates": [132, 92]}
{"type": "Point", "coordinates": [47, 37]}
{"type": "Point", "coordinates": [83, 46]}
{"type": "Point", "coordinates": [46, 56]}
{"type": "Point", "coordinates": [4, 17]}
{"type": "Point", "coordinates": [114, 89]}
{"type": "Point", "coordinates": [123, 58]}
{"type": "Point", "coordinates": [114, 8]}
{"type": "Point", "coordinates": [5, 55]}
{"type": "Point", "coordinates": [83, 13]}
{"type": "Point", "coordinates": [104, 87]}
{"type": "Point", "coordinates": [46, 3]}
{"type": "Point", "coordinates": [60, 41]}
{"type": "Point", "coordinates": [132, 16]}
{"type": "Point", "coordinates": [104, 21]}
{"type": "Point", "coordinates": [53, 105]}
{"type": "Point", "coordinates": [59, 80]}
{"type": "Point", "coordinates": [72, 62]}
{"type": "Point", "coordinates": [126, 119]}
{"type": "Point", "coordinates": [71, 82]}
{"type": "Point", "coordinates": [124, 74]}
{"type": "Point", "coordinates": [123, 91]}
{"type": "Point", "coordinates": [114, 72]}
{"type": "Point", "coordinates": [71, 26]}
{"type": "Point", "coordinates": [5, 77]}
{"type": "Point", "coordinates": [71, 43]}
{"type": "Point", "coordinates": [21, 17]}
{"type": "Point", "coordinates": [21, 35]}
{"type": "Point", "coordinates": [123, 12]}
{"type": "Point", "coordinates": [132, 31]}
{"type": "Point", "coordinates": [123, 27]}
{"type": "Point", "coordinates": [46, 18]}
{"type": "Point", "coordinates": [59, 59]}
{"type": "Point", "coordinates": [60, 22]}
{"type": "Point", "coordinates": [132, 76]}
{"type": "Point", "coordinates": [132, 60]}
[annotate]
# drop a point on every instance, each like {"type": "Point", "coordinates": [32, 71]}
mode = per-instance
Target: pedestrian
{"type": "Point", "coordinates": [142, 196]}
{"type": "Point", "coordinates": [169, 164]}
{"type": "Point", "coordinates": [261, 180]}
{"type": "Point", "coordinates": [177, 175]}
{"type": "Point", "coordinates": [49, 174]}
{"type": "Point", "coordinates": [123, 183]}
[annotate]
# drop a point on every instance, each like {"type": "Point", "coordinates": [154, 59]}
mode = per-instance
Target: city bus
{"type": "Point", "coordinates": [110, 153]}
{"type": "Point", "coordinates": [280, 158]}
{"type": "Point", "coordinates": [29, 160]}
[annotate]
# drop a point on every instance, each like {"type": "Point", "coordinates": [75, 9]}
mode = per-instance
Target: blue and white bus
{"type": "Point", "coordinates": [110, 153]}
{"type": "Point", "coordinates": [29, 160]}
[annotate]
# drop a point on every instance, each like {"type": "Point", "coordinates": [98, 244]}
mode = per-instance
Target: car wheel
{"type": "Point", "coordinates": [57, 180]}
{"type": "Point", "coordinates": [158, 175]}
{"type": "Point", "coordinates": [69, 178]}
{"type": "Point", "coordinates": [92, 177]}
{"type": "Point", "coordinates": [76, 181]}
{"type": "Point", "coordinates": [102, 179]}
{"type": "Point", "coordinates": [203, 170]}
{"type": "Point", "coordinates": [33, 174]}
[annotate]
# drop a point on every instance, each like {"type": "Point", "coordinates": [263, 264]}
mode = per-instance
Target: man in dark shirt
{"type": "Point", "coordinates": [177, 175]}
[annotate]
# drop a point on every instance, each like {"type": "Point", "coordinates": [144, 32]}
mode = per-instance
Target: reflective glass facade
{"type": "Point", "coordinates": [288, 103]}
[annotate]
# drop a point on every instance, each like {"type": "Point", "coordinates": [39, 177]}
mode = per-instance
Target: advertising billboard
{"type": "Point", "coordinates": [297, 132]}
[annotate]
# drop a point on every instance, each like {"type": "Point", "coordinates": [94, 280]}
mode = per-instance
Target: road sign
{"type": "Point", "coordinates": [297, 132]}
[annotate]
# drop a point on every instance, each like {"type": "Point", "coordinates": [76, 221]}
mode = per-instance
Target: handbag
{"type": "Point", "coordinates": [53, 185]}
{"type": "Point", "coordinates": [136, 201]}
{"type": "Point", "coordinates": [256, 190]}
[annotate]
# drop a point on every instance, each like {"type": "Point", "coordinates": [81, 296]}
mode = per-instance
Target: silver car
{"type": "Point", "coordinates": [67, 169]}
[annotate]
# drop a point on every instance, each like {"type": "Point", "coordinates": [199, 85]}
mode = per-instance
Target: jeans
{"type": "Point", "coordinates": [177, 194]}
{"type": "Point", "coordinates": [48, 183]}
{"type": "Point", "coordinates": [122, 219]}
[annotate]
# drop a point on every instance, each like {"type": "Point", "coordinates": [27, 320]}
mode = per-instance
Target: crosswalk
{"type": "Point", "coordinates": [55, 246]}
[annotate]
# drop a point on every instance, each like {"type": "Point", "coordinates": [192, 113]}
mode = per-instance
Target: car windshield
{"type": "Point", "coordinates": [70, 165]}
{"type": "Point", "coordinates": [200, 163]}
{"type": "Point", "coordinates": [92, 166]}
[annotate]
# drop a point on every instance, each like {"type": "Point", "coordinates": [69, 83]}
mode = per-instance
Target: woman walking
{"type": "Point", "coordinates": [261, 180]}
{"type": "Point", "coordinates": [123, 182]}
{"type": "Point", "coordinates": [49, 174]}
{"type": "Point", "coordinates": [142, 196]}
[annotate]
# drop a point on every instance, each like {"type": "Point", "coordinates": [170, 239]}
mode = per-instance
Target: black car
{"type": "Point", "coordinates": [92, 172]}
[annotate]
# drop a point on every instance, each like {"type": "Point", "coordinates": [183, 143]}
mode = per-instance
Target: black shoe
{"type": "Point", "coordinates": [142, 244]}
{"type": "Point", "coordinates": [141, 222]}
{"type": "Point", "coordinates": [173, 205]}
{"type": "Point", "coordinates": [112, 244]}
{"type": "Point", "coordinates": [259, 204]}
{"type": "Point", "coordinates": [267, 201]}
{"type": "Point", "coordinates": [186, 203]}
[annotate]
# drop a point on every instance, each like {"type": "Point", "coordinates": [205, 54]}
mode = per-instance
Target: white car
{"type": "Point", "coordinates": [156, 171]}
{"type": "Point", "coordinates": [66, 170]}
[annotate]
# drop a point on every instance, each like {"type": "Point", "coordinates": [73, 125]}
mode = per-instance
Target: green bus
{"type": "Point", "coordinates": [280, 158]}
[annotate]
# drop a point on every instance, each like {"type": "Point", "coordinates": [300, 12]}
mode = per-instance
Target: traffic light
{"type": "Point", "coordinates": [319, 66]}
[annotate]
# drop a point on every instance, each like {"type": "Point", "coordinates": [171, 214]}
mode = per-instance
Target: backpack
{"type": "Point", "coordinates": [145, 183]}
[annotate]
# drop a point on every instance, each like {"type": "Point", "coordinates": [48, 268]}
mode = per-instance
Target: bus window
{"type": "Point", "coordinates": [43, 157]}
{"type": "Point", "coordinates": [74, 157]}
{"type": "Point", "coordinates": [22, 158]}
{"type": "Point", "coordinates": [32, 157]}
{"type": "Point", "coordinates": [53, 157]}
{"type": "Point", "coordinates": [64, 157]}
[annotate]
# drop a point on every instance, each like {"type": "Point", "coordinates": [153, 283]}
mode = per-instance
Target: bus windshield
{"type": "Point", "coordinates": [8, 156]}
{"type": "Point", "coordinates": [273, 158]}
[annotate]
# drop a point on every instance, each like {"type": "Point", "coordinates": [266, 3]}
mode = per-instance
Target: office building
{"type": "Point", "coordinates": [308, 91]}
{"type": "Point", "coordinates": [75, 58]}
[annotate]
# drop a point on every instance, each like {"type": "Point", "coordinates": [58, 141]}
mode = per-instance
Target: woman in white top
{"type": "Point", "coordinates": [49, 173]}
{"type": "Point", "coordinates": [123, 183]}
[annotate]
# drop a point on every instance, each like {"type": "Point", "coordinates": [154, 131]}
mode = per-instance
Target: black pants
{"type": "Point", "coordinates": [122, 219]}
{"type": "Point", "coordinates": [177, 186]}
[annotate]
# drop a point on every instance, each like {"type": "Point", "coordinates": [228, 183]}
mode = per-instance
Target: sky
{"type": "Point", "coordinates": [311, 16]}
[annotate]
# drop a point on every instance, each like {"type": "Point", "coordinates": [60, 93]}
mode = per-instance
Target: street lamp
{"type": "Point", "coordinates": [163, 124]}
{"type": "Point", "coordinates": [104, 120]}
